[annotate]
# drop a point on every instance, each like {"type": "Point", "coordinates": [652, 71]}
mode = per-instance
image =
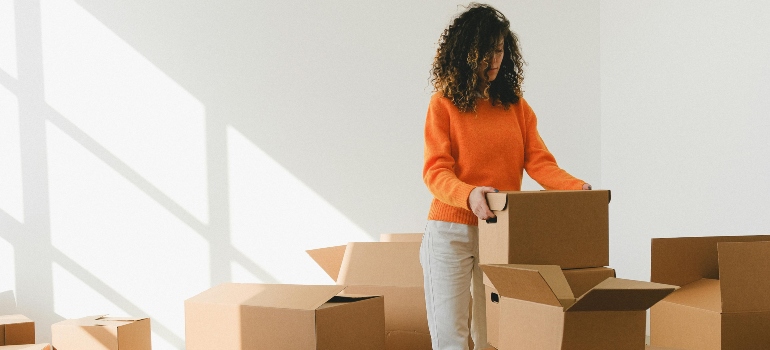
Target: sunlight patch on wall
{"type": "Point", "coordinates": [275, 217]}
{"type": "Point", "coordinates": [8, 38]}
{"type": "Point", "coordinates": [11, 195]}
{"type": "Point", "coordinates": [7, 267]}
{"type": "Point", "coordinates": [120, 236]}
{"type": "Point", "coordinates": [242, 275]}
{"type": "Point", "coordinates": [72, 298]}
{"type": "Point", "coordinates": [129, 106]}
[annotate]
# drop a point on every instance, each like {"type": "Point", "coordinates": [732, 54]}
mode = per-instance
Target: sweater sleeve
{"type": "Point", "coordinates": [438, 169]}
{"type": "Point", "coordinates": [540, 163]}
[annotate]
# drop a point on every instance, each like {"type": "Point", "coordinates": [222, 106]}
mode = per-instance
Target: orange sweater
{"type": "Point", "coordinates": [491, 147]}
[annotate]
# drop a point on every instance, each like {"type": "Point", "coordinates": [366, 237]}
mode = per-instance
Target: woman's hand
{"type": "Point", "coordinates": [587, 186]}
{"type": "Point", "coordinates": [477, 201]}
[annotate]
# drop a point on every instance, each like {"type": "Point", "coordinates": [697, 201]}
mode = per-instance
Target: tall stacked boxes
{"type": "Point", "coordinates": [235, 316]}
{"type": "Point", "coordinates": [724, 300]}
{"type": "Point", "coordinates": [391, 269]}
{"type": "Point", "coordinates": [102, 333]}
{"type": "Point", "coordinates": [16, 330]}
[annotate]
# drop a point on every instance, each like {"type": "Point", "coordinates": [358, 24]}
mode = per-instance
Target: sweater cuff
{"type": "Point", "coordinates": [462, 194]}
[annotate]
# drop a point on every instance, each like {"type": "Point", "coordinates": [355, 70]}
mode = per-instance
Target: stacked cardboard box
{"type": "Point", "coordinates": [723, 301]}
{"type": "Point", "coordinates": [102, 333]}
{"type": "Point", "coordinates": [27, 347]}
{"type": "Point", "coordinates": [16, 330]}
{"type": "Point", "coordinates": [235, 316]}
{"type": "Point", "coordinates": [390, 269]}
{"type": "Point", "coordinates": [547, 285]}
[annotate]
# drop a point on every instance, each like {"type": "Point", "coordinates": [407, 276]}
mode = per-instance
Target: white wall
{"type": "Point", "coordinates": [149, 150]}
{"type": "Point", "coordinates": [685, 125]}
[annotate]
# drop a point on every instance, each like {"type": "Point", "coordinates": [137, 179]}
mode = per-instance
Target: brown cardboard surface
{"type": "Point", "coordinates": [247, 316]}
{"type": "Point", "coordinates": [616, 294]}
{"type": "Point", "coordinates": [582, 280]}
{"type": "Point", "coordinates": [384, 264]}
{"type": "Point", "coordinates": [329, 259]}
{"type": "Point", "coordinates": [683, 260]}
{"type": "Point", "coordinates": [526, 325]}
{"type": "Point", "coordinates": [16, 329]}
{"type": "Point", "coordinates": [27, 347]}
{"type": "Point", "coordinates": [402, 340]}
{"type": "Point", "coordinates": [617, 330]}
{"type": "Point", "coordinates": [404, 306]}
{"type": "Point", "coordinates": [679, 326]}
{"type": "Point", "coordinates": [102, 333]}
{"type": "Point", "coordinates": [345, 325]}
{"type": "Point", "coordinates": [565, 228]}
{"type": "Point", "coordinates": [401, 237]}
{"type": "Point", "coordinates": [703, 294]}
{"type": "Point", "coordinates": [522, 283]}
{"type": "Point", "coordinates": [493, 315]}
{"type": "Point", "coordinates": [746, 330]}
{"type": "Point", "coordinates": [744, 272]}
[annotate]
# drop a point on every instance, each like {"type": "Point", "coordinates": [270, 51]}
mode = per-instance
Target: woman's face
{"type": "Point", "coordinates": [497, 59]}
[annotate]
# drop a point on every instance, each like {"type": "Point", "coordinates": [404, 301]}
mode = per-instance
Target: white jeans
{"type": "Point", "coordinates": [449, 255]}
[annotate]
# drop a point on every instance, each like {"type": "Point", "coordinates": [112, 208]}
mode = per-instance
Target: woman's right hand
{"type": "Point", "coordinates": [477, 201]}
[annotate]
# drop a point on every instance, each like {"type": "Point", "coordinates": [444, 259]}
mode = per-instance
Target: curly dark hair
{"type": "Point", "coordinates": [467, 43]}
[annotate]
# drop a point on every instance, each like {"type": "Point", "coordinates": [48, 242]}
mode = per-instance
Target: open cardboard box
{"type": "Point", "coordinates": [27, 347]}
{"type": "Point", "coordinates": [102, 333]}
{"type": "Point", "coordinates": [565, 228]}
{"type": "Point", "coordinates": [724, 301]}
{"type": "Point", "coordinates": [16, 329]}
{"type": "Point", "coordinates": [537, 310]}
{"type": "Point", "coordinates": [235, 316]}
{"type": "Point", "coordinates": [401, 237]}
{"type": "Point", "coordinates": [579, 280]}
{"type": "Point", "coordinates": [391, 269]}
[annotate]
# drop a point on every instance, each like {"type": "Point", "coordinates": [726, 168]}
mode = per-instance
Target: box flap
{"type": "Point", "coordinates": [616, 294]}
{"type": "Point", "coordinates": [543, 284]}
{"type": "Point", "coordinates": [382, 264]}
{"type": "Point", "coordinates": [13, 319]}
{"type": "Point", "coordinates": [684, 260]}
{"type": "Point", "coordinates": [702, 294]}
{"type": "Point", "coordinates": [744, 273]}
{"type": "Point", "coordinates": [284, 296]}
{"type": "Point", "coordinates": [100, 321]}
{"type": "Point", "coordinates": [329, 259]}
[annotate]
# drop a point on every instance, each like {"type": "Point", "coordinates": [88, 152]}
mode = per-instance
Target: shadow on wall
{"type": "Point", "coordinates": [141, 190]}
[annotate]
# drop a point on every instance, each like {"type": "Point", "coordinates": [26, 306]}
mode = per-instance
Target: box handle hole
{"type": "Point", "coordinates": [495, 298]}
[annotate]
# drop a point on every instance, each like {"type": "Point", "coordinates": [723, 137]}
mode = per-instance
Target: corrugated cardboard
{"type": "Point", "coordinates": [16, 329]}
{"type": "Point", "coordinates": [391, 269]}
{"type": "Point", "coordinates": [27, 347]}
{"type": "Point", "coordinates": [537, 310]}
{"type": "Point", "coordinates": [723, 300]}
{"type": "Point", "coordinates": [579, 280]}
{"type": "Point", "coordinates": [235, 316]}
{"type": "Point", "coordinates": [401, 237]}
{"type": "Point", "coordinates": [565, 228]}
{"type": "Point", "coordinates": [102, 333]}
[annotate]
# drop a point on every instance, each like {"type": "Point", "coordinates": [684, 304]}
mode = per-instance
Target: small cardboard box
{"type": "Point", "coordinates": [235, 316]}
{"type": "Point", "coordinates": [27, 347]}
{"type": "Point", "coordinates": [401, 237]}
{"type": "Point", "coordinates": [16, 330]}
{"type": "Point", "coordinates": [102, 333]}
{"type": "Point", "coordinates": [538, 310]}
{"type": "Point", "coordinates": [723, 302]}
{"type": "Point", "coordinates": [391, 269]}
{"type": "Point", "coordinates": [565, 228]}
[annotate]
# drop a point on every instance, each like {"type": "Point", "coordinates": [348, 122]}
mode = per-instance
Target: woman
{"type": "Point", "coordinates": [480, 134]}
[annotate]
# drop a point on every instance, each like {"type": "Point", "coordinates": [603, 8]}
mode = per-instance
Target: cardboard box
{"type": "Point", "coordinates": [391, 269]}
{"type": "Point", "coordinates": [579, 280]}
{"type": "Point", "coordinates": [537, 310]}
{"type": "Point", "coordinates": [565, 228]}
{"type": "Point", "coordinates": [401, 237]}
{"type": "Point", "coordinates": [723, 301]}
{"type": "Point", "coordinates": [234, 316]}
{"type": "Point", "coordinates": [16, 329]}
{"type": "Point", "coordinates": [102, 333]}
{"type": "Point", "coordinates": [27, 347]}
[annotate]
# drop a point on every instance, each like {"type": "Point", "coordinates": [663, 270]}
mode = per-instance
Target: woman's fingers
{"type": "Point", "coordinates": [477, 201]}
